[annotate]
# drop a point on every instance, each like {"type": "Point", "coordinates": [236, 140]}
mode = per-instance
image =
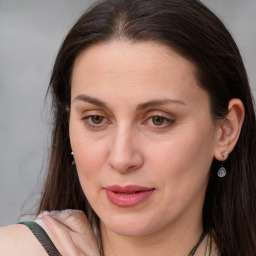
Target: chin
{"type": "Point", "coordinates": [130, 231]}
{"type": "Point", "coordinates": [133, 227]}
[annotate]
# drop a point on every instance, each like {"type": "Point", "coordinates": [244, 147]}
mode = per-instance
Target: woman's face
{"type": "Point", "coordinates": [142, 136]}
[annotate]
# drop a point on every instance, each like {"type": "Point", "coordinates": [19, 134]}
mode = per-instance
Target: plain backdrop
{"type": "Point", "coordinates": [31, 32]}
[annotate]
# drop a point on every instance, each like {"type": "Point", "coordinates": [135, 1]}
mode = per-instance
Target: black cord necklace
{"type": "Point", "coordinates": [198, 243]}
{"type": "Point", "coordinates": [192, 251]}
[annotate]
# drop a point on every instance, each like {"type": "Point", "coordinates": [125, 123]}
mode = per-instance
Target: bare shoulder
{"type": "Point", "coordinates": [19, 240]}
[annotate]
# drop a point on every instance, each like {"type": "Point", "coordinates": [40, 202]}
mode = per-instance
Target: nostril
{"type": "Point", "coordinates": [124, 153]}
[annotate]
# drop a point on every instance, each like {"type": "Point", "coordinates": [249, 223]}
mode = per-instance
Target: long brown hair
{"type": "Point", "coordinates": [191, 29]}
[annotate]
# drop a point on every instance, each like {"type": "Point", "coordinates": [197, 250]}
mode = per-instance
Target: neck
{"type": "Point", "coordinates": [171, 240]}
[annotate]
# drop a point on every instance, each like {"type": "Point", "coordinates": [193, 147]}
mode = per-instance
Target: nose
{"type": "Point", "coordinates": [125, 153]}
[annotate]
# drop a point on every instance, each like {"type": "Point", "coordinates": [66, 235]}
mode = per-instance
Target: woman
{"type": "Point", "coordinates": [154, 138]}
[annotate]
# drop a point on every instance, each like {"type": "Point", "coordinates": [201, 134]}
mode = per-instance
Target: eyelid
{"type": "Point", "coordinates": [163, 114]}
{"type": "Point", "coordinates": [167, 117]}
{"type": "Point", "coordinates": [86, 118]}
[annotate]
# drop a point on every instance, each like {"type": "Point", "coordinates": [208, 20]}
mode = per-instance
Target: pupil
{"type": "Point", "coordinates": [158, 120]}
{"type": "Point", "coordinates": [97, 119]}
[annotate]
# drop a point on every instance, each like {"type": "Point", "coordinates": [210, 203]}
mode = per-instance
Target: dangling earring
{"type": "Point", "coordinates": [73, 162]}
{"type": "Point", "coordinates": [222, 171]}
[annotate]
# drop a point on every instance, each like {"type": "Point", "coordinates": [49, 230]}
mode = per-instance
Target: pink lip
{"type": "Point", "coordinates": [127, 196]}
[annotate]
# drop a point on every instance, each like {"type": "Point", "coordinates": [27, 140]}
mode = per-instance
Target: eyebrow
{"type": "Point", "coordinates": [142, 106]}
{"type": "Point", "coordinates": [91, 100]}
{"type": "Point", "coordinates": [154, 103]}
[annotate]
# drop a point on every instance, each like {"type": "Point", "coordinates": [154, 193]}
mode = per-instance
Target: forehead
{"type": "Point", "coordinates": [139, 56]}
{"type": "Point", "coordinates": [144, 68]}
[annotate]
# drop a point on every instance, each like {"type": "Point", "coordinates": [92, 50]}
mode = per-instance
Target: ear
{"type": "Point", "coordinates": [229, 129]}
{"type": "Point", "coordinates": [67, 108]}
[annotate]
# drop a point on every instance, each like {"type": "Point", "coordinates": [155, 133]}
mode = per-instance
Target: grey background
{"type": "Point", "coordinates": [30, 34]}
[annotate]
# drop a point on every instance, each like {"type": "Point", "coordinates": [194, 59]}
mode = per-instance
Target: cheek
{"type": "Point", "coordinates": [89, 161]}
{"type": "Point", "coordinates": [184, 158]}
{"type": "Point", "coordinates": [181, 169]}
{"type": "Point", "coordinates": [90, 154]}
{"type": "Point", "coordinates": [89, 157]}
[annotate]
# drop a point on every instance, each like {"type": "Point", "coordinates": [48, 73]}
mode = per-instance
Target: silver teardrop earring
{"type": "Point", "coordinates": [73, 162]}
{"type": "Point", "coordinates": [222, 171]}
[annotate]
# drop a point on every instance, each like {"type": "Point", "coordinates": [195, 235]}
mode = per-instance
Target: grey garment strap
{"type": "Point", "coordinates": [42, 237]}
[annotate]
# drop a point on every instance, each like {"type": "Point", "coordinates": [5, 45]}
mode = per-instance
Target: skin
{"type": "Point", "coordinates": [116, 141]}
{"type": "Point", "coordinates": [127, 145]}
{"type": "Point", "coordinates": [67, 229]}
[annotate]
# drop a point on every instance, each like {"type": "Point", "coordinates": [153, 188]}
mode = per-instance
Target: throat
{"type": "Point", "coordinates": [115, 244]}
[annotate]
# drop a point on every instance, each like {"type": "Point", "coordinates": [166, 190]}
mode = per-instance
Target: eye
{"type": "Point", "coordinates": [94, 120]}
{"type": "Point", "coordinates": [159, 121]}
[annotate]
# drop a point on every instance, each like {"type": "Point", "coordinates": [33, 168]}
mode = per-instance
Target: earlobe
{"type": "Point", "coordinates": [229, 129]}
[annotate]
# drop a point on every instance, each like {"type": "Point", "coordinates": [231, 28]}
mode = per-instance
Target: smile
{"type": "Point", "coordinates": [128, 196]}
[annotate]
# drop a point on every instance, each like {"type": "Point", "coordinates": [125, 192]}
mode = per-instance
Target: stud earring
{"type": "Point", "coordinates": [73, 162]}
{"type": "Point", "coordinates": [224, 153]}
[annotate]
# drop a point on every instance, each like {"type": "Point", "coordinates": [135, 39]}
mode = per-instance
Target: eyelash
{"type": "Point", "coordinates": [167, 121]}
{"type": "Point", "coordinates": [88, 121]}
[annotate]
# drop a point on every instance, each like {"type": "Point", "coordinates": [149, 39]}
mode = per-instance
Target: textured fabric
{"type": "Point", "coordinates": [42, 237]}
{"type": "Point", "coordinates": [70, 231]}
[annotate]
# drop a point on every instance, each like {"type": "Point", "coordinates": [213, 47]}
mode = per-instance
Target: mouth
{"type": "Point", "coordinates": [125, 193]}
{"type": "Point", "coordinates": [128, 196]}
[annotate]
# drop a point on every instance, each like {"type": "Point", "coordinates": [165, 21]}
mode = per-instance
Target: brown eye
{"type": "Point", "coordinates": [158, 120]}
{"type": "Point", "coordinates": [97, 119]}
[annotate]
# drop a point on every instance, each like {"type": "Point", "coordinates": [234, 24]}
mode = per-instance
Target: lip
{"type": "Point", "coordinates": [128, 196]}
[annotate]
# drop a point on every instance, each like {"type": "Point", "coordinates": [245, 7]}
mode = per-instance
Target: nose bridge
{"type": "Point", "coordinates": [124, 152]}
